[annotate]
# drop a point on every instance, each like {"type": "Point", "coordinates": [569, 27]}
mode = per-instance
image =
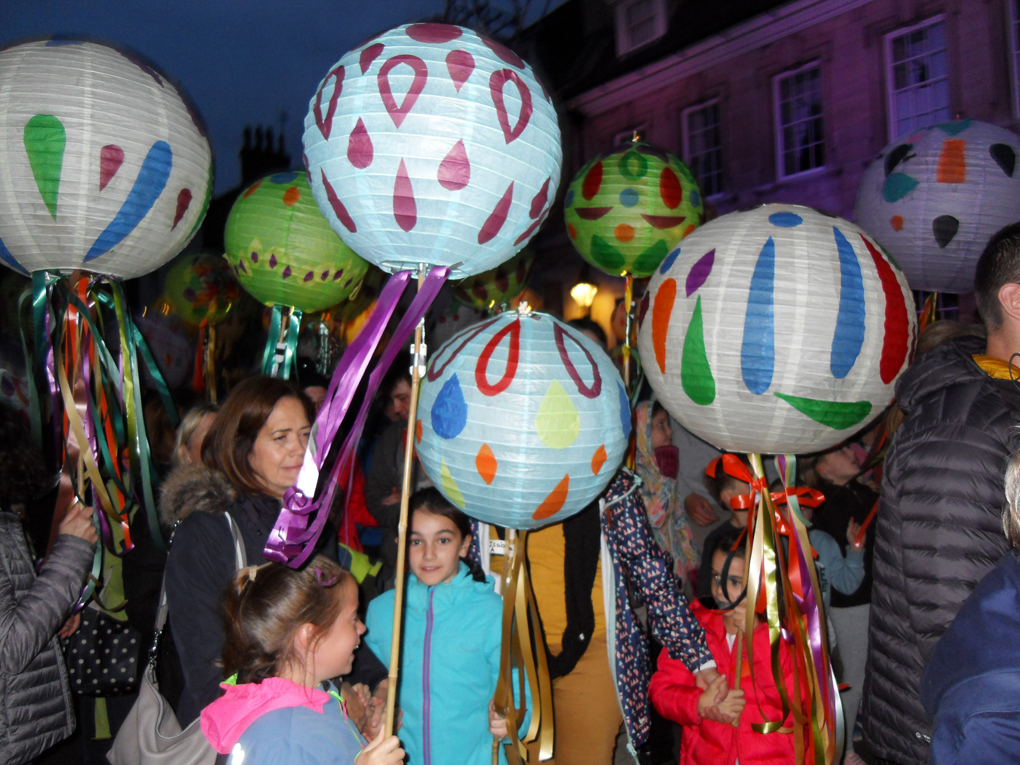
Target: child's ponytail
{"type": "Point", "coordinates": [264, 607]}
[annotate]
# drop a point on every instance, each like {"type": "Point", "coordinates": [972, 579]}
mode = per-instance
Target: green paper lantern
{"type": "Point", "coordinates": [498, 285]}
{"type": "Point", "coordinates": [627, 209]}
{"type": "Point", "coordinates": [201, 288]}
{"type": "Point", "coordinates": [284, 252]}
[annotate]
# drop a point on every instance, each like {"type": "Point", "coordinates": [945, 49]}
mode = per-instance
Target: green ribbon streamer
{"type": "Point", "coordinates": [290, 352]}
{"type": "Point", "coordinates": [275, 320]}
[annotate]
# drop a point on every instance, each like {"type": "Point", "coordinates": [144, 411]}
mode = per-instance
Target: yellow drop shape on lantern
{"type": "Point", "coordinates": [557, 421]}
{"type": "Point", "coordinates": [450, 487]}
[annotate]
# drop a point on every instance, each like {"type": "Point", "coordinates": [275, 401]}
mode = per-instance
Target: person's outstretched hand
{"type": "Point", "coordinates": [719, 703]}
{"type": "Point", "coordinates": [381, 751]}
{"type": "Point", "coordinates": [699, 510]}
{"type": "Point", "coordinates": [70, 626]}
{"type": "Point", "coordinates": [78, 523]}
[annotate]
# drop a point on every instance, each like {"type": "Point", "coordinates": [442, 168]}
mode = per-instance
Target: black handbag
{"type": "Point", "coordinates": [102, 655]}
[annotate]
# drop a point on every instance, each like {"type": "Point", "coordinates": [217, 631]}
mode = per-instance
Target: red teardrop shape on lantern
{"type": "Point", "coordinates": [405, 209]}
{"type": "Point", "coordinates": [455, 169]}
{"type": "Point", "coordinates": [325, 122]}
{"type": "Point", "coordinates": [183, 201]}
{"type": "Point", "coordinates": [533, 228]}
{"type": "Point", "coordinates": [359, 146]}
{"type": "Point", "coordinates": [421, 74]}
{"type": "Point", "coordinates": [433, 33]}
{"type": "Point", "coordinates": [337, 205]}
{"type": "Point", "coordinates": [504, 53]}
{"type": "Point", "coordinates": [592, 181]}
{"type": "Point", "coordinates": [460, 64]}
{"type": "Point", "coordinates": [110, 159]}
{"type": "Point", "coordinates": [370, 54]}
{"type": "Point", "coordinates": [497, 218]}
{"type": "Point", "coordinates": [496, 83]}
{"type": "Point", "coordinates": [538, 202]}
{"type": "Point", "coordinates": [512, 331]}
{"type": "Point", "coordinates": [670, 189]}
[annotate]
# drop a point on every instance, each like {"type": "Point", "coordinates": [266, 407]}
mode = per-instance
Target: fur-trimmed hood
{"type": "Point", "coordinates": [193, 489]}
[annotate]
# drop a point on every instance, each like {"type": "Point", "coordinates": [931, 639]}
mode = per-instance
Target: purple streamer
{"type": "Point", "coordinates": [293, 539]}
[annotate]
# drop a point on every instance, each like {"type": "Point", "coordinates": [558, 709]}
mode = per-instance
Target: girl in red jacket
{"type": "Point", "coordinates": [677, 697]}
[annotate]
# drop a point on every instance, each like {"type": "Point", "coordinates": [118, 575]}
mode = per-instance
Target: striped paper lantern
{"type": "Point", "coordinates": [780, 330]}
{"type": "Point", "coordinates": [522, 420]}
{"type": "Point", "coordinates": [430, 144]}
{"type": "Point", "coordinates": [283, 251]}
{"type": "Point", "coordinates": [935, 197]}
{"type": "Point", "coordinates": [106, 166]}
{"type": "Point", "coordinates": [625, 210]}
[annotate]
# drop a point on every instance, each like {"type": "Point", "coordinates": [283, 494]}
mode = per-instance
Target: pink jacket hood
{"type": "Point", "coordinates": [227, 718]}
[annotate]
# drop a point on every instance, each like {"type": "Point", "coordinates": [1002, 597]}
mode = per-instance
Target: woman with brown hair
{"type": "Point", "coordinates": [251, 456]}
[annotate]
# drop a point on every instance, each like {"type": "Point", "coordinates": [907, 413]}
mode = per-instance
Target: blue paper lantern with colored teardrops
{"type": "Point", "coordinates": [522, 420]}
{"type": "Point", "coordinates": [934, 198]}
{"type": "Point", "coordinates": [106, 164]}
{"type": "Point", "coordinates": [779, 330]}
{"type": "Point", "coordinates": [430, 144]}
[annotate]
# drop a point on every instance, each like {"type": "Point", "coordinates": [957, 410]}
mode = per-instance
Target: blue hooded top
{"type": "Point", "coordinates": [448, 667]}
{"type": "Point", "coordinates": [971, 686]}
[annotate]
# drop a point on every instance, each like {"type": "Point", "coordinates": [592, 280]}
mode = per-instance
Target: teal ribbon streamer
{"type": "Point", "coordinates": [275, 321]}
{"type": "Point", "coordinates": [290, 348]}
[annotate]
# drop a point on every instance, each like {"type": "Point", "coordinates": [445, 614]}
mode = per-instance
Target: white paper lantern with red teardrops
{"type": "Point", "coordinates": [105, 166]}
{"type": "Point", "coordinates": [431, 144]}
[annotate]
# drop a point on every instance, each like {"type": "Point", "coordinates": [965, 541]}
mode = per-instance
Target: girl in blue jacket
{"type": "Point", "coordinates": [452, 633]}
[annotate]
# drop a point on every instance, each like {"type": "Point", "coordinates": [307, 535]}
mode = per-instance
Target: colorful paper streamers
{"type": "Point", "coordinates": [430, 144]}
{"type": "Point", "coordinates": [778, 330]}
{"type": "Point", "coordinates": [934, 198]}
{"type": "Point", "coordinates": [522, 420]}
{"type": "Point", "coordinates": [283, 252]}
{"type": "Point", "coordinates": [106, 164]}
{"type": "Point", "coordinates": [625, 210]}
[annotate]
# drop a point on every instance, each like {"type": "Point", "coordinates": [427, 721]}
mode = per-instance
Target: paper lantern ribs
{"type": "Point", "coordinates": [780, 330]}
{"type": "Point", "coordinates": [107, 167]}
{"type": "Point", "coordinates": [936, 196]}
{"type": "Point", "coordinates": [522, 420]}
{"type": "Point", "coordinates": [430, 144]}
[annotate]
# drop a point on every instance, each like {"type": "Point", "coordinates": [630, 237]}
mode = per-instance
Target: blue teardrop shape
{"type": "Point", "coordinates": [449, 411]}
{"type": "Point", "coordinates": [758, 351]}
{"type": "Point", "coordinates": [849, 335]}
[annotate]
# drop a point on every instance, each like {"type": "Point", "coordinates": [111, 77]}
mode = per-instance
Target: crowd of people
{"type": "Point", "coordinates": [915, 524]}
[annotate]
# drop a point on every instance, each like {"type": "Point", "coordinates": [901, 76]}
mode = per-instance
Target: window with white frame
{"type": "Point", "coordinates": [917, 77]}
{"type": "Point", "coordinates": [1013, 22]}
{"type": "Point", "coordinates": [703, 146]}
{"type": "Point", "coordinates": [800, 139]}
{"type": "Point", "coordinates": [639, 22]}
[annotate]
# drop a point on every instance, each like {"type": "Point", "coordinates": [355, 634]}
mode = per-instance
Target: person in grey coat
{"type": "Point", "coordinates": [939, 523]}
{"type": "Point", "coordinates": [35, 697]}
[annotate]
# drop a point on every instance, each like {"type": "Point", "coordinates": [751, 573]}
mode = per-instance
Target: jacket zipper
{"type": "Point", "coordinates": [426, 704]}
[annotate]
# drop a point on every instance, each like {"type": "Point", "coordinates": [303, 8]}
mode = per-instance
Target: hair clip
{"type": "Point", "coordinates": [323, 581]}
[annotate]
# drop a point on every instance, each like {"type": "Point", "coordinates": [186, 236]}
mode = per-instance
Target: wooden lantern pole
{"type": "Point", "coordinates": [417, 364]}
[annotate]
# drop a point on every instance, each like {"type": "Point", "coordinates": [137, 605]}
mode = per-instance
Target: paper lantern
{"type": "Point", "coordinates": [779, 330]}
{"type": "Point", "coordinates": [500, 285]}
{"type": "Point", "coordinates": [283, 251]}
{"type": "Point", "coordinates": [430, 144]}
{"type": "Point", "coordinates": [201, 288]}
{"type": "Point", "coordinates": [106, 165]}
{"type": "Point", "coordinates": [936, 196]}
{"type": "Point", "coordinates": [522, 421]}
{"type": "Point", "coordinates": [625, 210]}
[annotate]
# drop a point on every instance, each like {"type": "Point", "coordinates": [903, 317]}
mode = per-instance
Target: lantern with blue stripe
{"type": "Point", "coordinates": [431, 144]}
{"type": "Point", "coordinates": [106, 165]}
{"type": "Point", "coordinates": [522, 420]}
{"type": "Point", "coordinates": [779, 330]}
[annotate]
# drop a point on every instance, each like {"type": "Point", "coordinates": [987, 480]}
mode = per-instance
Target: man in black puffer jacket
{"type": "Point", "coordinates": [940, 522]}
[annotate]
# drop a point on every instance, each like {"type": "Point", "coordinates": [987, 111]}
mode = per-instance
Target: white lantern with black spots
{"type": "Point", "coordinates": [522, 420]}
{"type": "Point", "coordinates": [430, 144]}
{"type": "Point", "coordinates": [106, 166]}
{"type": "Point", "coordinates": [934, 198]}
{"type": "Point", "coordinates": [780, 330]}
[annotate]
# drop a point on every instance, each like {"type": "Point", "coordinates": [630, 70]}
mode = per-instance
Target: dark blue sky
{"type": "Point", "coordinates": [241, 61]}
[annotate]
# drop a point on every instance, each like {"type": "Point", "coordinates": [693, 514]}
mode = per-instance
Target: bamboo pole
{"type": "Point", "coordinates": [405, 496]}
{"type": "Point", "coordinates": [628, 300]}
